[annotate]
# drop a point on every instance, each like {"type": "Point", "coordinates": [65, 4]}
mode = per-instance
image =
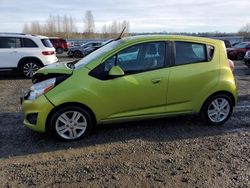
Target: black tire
{"type": "Point", "coordinates": [29, 67]}
{"type": "Point", "coordinates": [59, 124]}
{"type": "Point", "coordinates": [59, 50]}
{"type": "Point", "coordinates": [77, 54]}
{"type": "Point", "coordinates": [209, 109]}
{"type": "Point", "coordinates": [240, 56]}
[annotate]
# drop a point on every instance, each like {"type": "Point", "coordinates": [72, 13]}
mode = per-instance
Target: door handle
{"type": "Point", "coordinates": [156, 80]}
{"type": "Point", "coordinates": [13, 52]}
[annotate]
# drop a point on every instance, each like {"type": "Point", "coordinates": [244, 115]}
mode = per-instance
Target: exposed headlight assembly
{"type": "Point", "coordinates": [41, 88]}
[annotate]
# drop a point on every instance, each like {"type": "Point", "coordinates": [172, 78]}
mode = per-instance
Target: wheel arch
{"type": "Point", "coordinates": [227, 93]}
{"type": "Point", "coordinates": [91, 113]}
{"type": "Point", "coordinates": [22, 60]}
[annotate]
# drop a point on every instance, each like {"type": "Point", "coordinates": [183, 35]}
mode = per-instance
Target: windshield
{"type": "Point", "coordinates": [241, 45]}
{"type": "Point", "coordinates": [85, 44]}
{"type": "Point", "coordinates": [97, 53]}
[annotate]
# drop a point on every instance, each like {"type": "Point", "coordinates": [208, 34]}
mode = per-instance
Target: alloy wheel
{"type": "Point", "coordinates": [29, 69]}
{"type": "Point", "coordinates": [219, 110]}
{"type": "Point", "coordinates": [71, 125]}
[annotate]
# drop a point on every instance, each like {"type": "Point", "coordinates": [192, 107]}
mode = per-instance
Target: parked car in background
{"type": "Point", "coordinates": [131, 79]}
{"type": "Point", "coordinates": [59, 44]}
{"type": "Point", "coordinates": [84, 49]}
{"type": "Point", "coordinates": [238, 51]}
{"type": "Point", "coordinates": [247, 58]}
{"type": "Point", "coordinates": [75, 43]}
{"type": "Point", "coordinates": [25, 53]}
{"type": "Point", "coordinates": [227, 43]}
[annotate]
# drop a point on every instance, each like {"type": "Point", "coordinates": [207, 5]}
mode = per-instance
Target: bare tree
{"type": "Point", "coordinates": [35, 28]}
{"type": "Point", "coordinates": [59, 24]}
{"type": "Point", "coordinates": [26, 28]}
{"type": "Point", "coordinates": [89, 24]}
{"type": "Point", "coordinates": [50, 27]}
{"type": "Point", "coordinates": [115, 28]}
{"type": "Point", "coordinates": [245, 30]}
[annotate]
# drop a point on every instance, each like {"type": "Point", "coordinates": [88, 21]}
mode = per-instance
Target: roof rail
{"type": "Point", "coordinates": [6, 33]}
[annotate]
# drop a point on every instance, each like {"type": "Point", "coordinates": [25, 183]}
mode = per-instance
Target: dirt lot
{"type": "Point", "coordinates": [170, 152]}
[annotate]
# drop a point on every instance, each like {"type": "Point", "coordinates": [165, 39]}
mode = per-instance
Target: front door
{"type": "Point", "coordinates": [143, 88]}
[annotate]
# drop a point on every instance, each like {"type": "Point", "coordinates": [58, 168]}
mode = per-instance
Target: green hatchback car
{"type": "Point", "coordinates": [133, 78]}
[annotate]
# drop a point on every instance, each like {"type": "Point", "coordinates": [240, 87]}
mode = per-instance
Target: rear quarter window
{"type": "Point", "coordinates": [28, 43]}
{"type": "Point", "coordinates": [47, 43]}
{"type": "Point", "coordinates": [210, 52]}
{"type": "Point", "coordinates": [188, 53]}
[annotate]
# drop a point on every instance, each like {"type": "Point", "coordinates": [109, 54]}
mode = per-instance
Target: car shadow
{"type": "Point", "coordinates": [11, 75]}
{"type": "Point", "coordinates": [17, 140]}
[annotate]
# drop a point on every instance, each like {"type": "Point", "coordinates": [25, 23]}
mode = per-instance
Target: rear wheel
{"type": "Point", "coordinates": [217, 109]}
{"type": "Point", "coordinates": [29, 68]}
{"type": "Point", "coordinates": [71, 123]}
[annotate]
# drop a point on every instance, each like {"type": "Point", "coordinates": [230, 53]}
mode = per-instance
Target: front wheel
{"type": "Point", "coordinates": [71, 123]}
{"type": "Point", "coordinates": [77, 54]}
{"type": "Point", "coordinates": [217, 109]}
{"type": "Point", "coordinates": [29, 68]}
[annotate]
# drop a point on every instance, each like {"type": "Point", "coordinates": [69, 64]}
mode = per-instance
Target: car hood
{"type": "Point", "coordinates": [53, 70]}
{"type": "Point", "coordinates": [61, 68]}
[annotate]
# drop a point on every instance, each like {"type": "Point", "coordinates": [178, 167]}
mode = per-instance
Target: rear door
{"type": "Point", "coordinates": [193, 74]}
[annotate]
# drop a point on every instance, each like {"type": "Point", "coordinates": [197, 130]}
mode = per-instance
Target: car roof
{"type": "Point", "coordinates": [22, 35]}
{"type": "Point", "coordinates": [142, 38]}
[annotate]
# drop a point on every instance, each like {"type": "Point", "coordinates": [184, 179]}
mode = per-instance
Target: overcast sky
{"type": "Point", "coordinates": [143, 15]}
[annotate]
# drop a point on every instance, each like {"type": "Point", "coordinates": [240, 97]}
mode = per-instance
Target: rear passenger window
{"type": "Point", "coordinates": [10, 42]}
{"type": "Point", "coordinates": [187, 53]}
{"type": "Point", "coordinates": [28, 43]}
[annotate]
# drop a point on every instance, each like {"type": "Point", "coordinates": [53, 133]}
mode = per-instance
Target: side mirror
{"type": "Point", "coordinates": [116, 71]}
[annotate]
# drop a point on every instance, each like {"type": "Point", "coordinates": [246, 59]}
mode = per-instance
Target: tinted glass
{"type": "Point", "coordinates": [10, 42]}
{"type": "Point", "coordinates": [241, 45]}
{"type": "Point", "coordinates": [47, 43]}
{"type": "Point", "coordinates": [142, 57]}
{"type": "Point", "coordinates": [28, 43]}
{"type": "Point", "coordinates": [97, 53]}
{"type": "Point", "coordinates": [186, 53]}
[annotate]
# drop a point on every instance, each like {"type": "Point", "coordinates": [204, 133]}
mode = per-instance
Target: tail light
{"type": "Point", "coordinates": [231, 64]}
{"type": "Point", "coordinates": [68, 44]}
{"type": "Point", "coordinates": [48, 52]}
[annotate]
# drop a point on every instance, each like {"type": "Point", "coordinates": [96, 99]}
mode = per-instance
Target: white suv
{"type": "Point", "coordinates": [26, 53]}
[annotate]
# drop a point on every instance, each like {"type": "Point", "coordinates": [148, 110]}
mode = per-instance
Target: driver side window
{"type": "Point", "coordinates": [134, 59]}
{"type": "Point", "coordinates": [142, 57]}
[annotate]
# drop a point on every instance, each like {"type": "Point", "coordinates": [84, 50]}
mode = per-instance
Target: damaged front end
{"type": "Point", "coordinates": [47, 78]}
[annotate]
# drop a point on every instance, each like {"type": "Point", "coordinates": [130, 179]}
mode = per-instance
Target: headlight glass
{"type": "Point", "coordinates": [41, 88]}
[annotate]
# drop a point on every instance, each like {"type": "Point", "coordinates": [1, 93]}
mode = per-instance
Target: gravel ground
{"type": "Point", "coordinates": [170, 152]}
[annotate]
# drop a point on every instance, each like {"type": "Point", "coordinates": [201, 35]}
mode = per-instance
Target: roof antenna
{"type": "Point", "coordinates": [120, 36]}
